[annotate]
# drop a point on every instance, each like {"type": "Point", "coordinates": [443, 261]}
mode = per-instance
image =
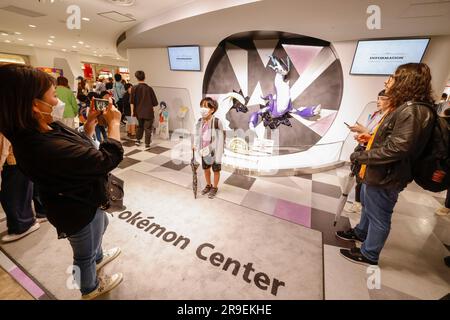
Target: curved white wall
{"type": "Point", "coordinates": [358, 90]}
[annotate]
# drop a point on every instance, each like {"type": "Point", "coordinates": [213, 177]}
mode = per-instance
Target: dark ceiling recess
{"type": "Point", "coordinates": [121, 38]}
{"type": "Point", "coordinates": [286, 37]}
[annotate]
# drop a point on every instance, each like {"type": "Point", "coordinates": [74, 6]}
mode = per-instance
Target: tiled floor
{"type": "Point", "coordinates": [415, 244]}
{"type": "Point", "coordinates": [10, 289]}
{"type": "Point", "coordinates": [411, 263]}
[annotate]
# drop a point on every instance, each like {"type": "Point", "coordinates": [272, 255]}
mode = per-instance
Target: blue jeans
{"type": "Point", "coordinates": [375, 224]}
{"type": "Point", "coordinates": [87, 251]}
{"type": "Point", "coordinates": [15, 197]}
{"type": "Point", "coordinates": [100, 133]}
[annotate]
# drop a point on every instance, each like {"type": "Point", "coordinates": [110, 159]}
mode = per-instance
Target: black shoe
{"type": "Point", "coordinates": [147, 146]}
{"type": "Point", "coordinates": [348, 235]}
{"type": "Point", "coordinates": [355, 255]}
{"type": "Point", "coordinates": [206, 190]}
{"type": "Point", "coordinates": [447, 261]}
{"type": "Point", "coordinates": [212, 193]}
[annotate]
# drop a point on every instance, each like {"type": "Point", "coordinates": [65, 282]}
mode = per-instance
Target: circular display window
{"type": "Point", "coordinates": [275, 89]}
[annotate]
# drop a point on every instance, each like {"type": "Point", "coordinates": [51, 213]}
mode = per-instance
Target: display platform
{"type": "Point", "coordinates": [176, 247]}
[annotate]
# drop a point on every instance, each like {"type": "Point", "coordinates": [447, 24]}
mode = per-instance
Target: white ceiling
{"type": "Point", "coordinates": [99, 34]}
{"type": "Point", "coordinates": [161, 23]}
{"type": "Point", "coordinates": [331, 20]}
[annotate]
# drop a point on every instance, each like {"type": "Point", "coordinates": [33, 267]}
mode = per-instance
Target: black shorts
{"type": "Point", "coordinates": [210, 162]}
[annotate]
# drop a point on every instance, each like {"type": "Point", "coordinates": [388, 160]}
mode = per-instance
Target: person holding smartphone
{"type": "Point", "coordinates": [364, 134]}
{"type": "Point", "coordinates": [69, 168]}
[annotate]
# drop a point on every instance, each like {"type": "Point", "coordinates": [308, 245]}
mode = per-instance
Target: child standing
{"type": "Point", "coordinates": [209, 142]}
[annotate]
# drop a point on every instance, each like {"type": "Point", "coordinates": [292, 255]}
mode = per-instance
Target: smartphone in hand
{"type": "Point", "coordinates": [101, 104]}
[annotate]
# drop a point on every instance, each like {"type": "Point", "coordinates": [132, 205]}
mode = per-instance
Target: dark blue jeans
{"type": "Point", "coordinates": [15, 197]}
{"type": "Point", "coordinates": [39, 207]}
{"type": "Point", "coordinates": [87, 251]}
{"type": "Point", "coordinates": [375, 224]}
{"type": "Point", "coordinates": [100, 133]}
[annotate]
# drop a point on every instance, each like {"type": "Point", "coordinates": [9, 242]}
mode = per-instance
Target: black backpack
{"type": "Point", "coordinates": [431, 170]}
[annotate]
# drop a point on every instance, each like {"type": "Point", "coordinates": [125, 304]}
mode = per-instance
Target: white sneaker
{"type": "Point", "coordinates": [106, 284]}
{"type": "Point", "coordinates": [14, 237]}
{"type": "Point", "coordinates": [108, 256]}
{"type": "Point", "coordinates": [442, 211]}
{"type": "Point", "coordinates": [354, 207]}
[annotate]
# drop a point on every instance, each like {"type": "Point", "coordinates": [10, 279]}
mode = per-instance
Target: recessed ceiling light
{"type": "Point", "coordinates": [7, 41]}
{"type": "Point", "coordinates": [74, 47]}
{"type": "Point", "coordinates": [52, 37]}
{"type": "Point", "coordinates": [49, 44]}
{"type": "Point", "coordinates": [31, 45]}
{"type": "Point", "coordinates": [32, 26]}
{"type": "Point", "coordinates": [51, 41]}
{"type": "Point", "coordinates": [4, 34]}
{"type": "Point", "coordinates": [85, 19]}
{"type": "Point", "coordinates": [64, 50]}
{"type": "Point", "coordinates": [122, 3]}
{"type": "Point", "coordinates": [100, 56]}
{"type": "Point", "coordinates": [80, 42]}
{"type": "Point", "coordinates": [88, 46]}
{"type": "Point", "coordinates": [20, 39]}
{"type": "Point", "coordinates": [17, 33]}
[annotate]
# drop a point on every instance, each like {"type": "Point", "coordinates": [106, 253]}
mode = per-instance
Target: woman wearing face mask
{"type": "Point", "coordinates": [209, 142]}
{"type": "Point", "coordinates": [69, 169]}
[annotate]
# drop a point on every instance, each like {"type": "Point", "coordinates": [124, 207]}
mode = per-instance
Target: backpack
{"type": "Point", "coordinates": [431, 170]}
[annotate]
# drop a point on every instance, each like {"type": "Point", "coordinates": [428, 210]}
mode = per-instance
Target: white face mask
{"type": "Point", "coordinates": [57, 111]}
{"type": "Point", "coordinates": [204, 112]}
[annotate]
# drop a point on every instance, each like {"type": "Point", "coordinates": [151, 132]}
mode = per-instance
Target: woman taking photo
{"type": "Point", "coordinates": [69, 169]}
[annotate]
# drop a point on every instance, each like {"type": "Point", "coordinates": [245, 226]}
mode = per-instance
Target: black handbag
{"type": "Point", "coordinates": [115, 193]}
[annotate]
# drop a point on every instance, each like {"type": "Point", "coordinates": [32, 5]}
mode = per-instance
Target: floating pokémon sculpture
{"type": "Point", "coordinates": [279, 107]}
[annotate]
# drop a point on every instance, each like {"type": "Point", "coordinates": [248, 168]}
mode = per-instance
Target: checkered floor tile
{"type": "Point", "coordinates": [310, 200]}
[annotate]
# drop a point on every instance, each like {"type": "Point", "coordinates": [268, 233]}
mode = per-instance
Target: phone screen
{"type": "Point", "coordinates": [101, 104]}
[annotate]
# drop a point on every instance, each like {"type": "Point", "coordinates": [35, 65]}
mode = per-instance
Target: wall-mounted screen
{"type": "Point", "coordinates": [382, 57]}
{"type": "Point", "coordinates": [184, 58]}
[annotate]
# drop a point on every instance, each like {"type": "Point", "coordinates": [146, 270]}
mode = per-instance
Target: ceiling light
{"type": "Point", "coordinates": [122, 3]}
{"type": "Point", "coordinates": [51, 41]}
{"type": "Point", "coordinates": [52, 37]}
{"type": "Point", "coordinates": [20, 39]}
{"type": "Point", "coordinates": [32, 26]}
{"type": "Point", "coordinates": [31, 45]}
{"type": "Point", "coordinates": [117, 16]}
{"type": "Point", "coordinates": [85, 19]}
{"type": "Point", "coordinates": [7, 41]}
{"type": "Point", "coordinates": [17, 33]}
{"type": "Point", "coordinates": [49, 44]}
{"type": "Point", "coordinates": [80, 42]}
{"type": "Point", "coordinates": [64, 50]}
{"type": "Point", "coordinates": [4, 34]}
{"type": "Point", "coordinates": [74, 47]}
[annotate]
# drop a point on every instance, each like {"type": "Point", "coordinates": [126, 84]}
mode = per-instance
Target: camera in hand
{"type": "Point", "coordinates": [101, 104]}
